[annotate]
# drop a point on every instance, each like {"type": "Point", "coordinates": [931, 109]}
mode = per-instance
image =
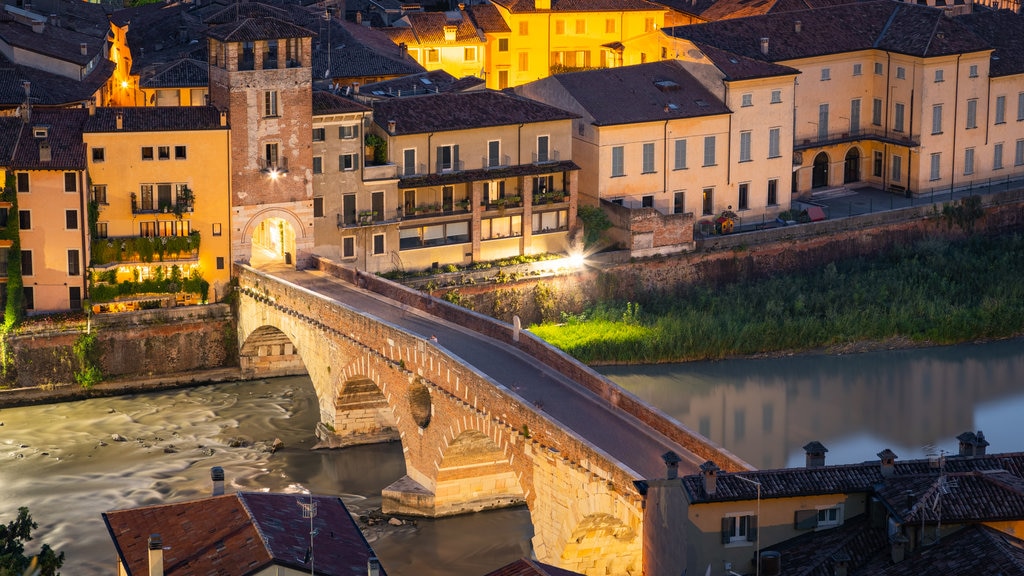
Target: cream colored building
{"type": "Point", "coordinates": [482, 175]}
{"type": "Point", "coordinates": [48, 164]}
{"type": "Point", "coordinates": [656, 136]}
{"type": "Point", "coordinates": [159, 173]}
{"type": "Point", "coordinates": [879, 104]}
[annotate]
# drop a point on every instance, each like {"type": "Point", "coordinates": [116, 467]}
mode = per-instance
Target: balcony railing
{"type": "Point", "coordinates": [496, 162]}
{"type": "Point", "coordinates": [453, 166]}
{"type": "Point", "coordinates": [552, 197]}
{"type": "Point", "coordinates": [838, 137]}
{"type": "Point", "coordinates": [551, 156]}
{"type": "Point", "coordinates": [161, 208]}
{"type": "Point", "coordinates": [506, 202]}
{"type": "Point", "coordinates": [127, 249]}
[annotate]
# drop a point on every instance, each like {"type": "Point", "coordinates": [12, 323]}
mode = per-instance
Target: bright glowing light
{"type": "Point", "coordinates": [577, 260]}
{"type": "Point", "coordinates": [124, 83]}
{"type": "Point", "coordinates": [274, 174]}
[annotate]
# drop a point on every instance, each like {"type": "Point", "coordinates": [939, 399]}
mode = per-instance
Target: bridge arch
{"type": "Point", "coordinates": [474, 473]}
{"type": "Point", "coordinates": [609, 534]}
{"type": "Point", "coordinates": [274, 235]}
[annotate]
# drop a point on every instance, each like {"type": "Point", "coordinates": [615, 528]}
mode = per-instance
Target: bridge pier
{"type": "Point", "coordinates": [361, 416]}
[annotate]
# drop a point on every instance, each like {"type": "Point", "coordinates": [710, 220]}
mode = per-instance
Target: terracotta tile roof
{"type": "Point", "coordinates": [48, 89]}
{"type": "Point", "coordinates": [326, 103]}
{"type": "Point", "coordinates": [725, 9]}
{"type": "Point", "coordinates": [884, 25]}
{"type": "Point", "coordinates": [430, 82]}
{"type": "Point", "coordinates": [10, 132]}
{"type": "Point", "coordinates": [240, 534]}
{"type": "Point", "coordinates": [237, 11]}
{"type": "Point", "coordinates": [54, 42]}
{"type": "Point", "coordinates": [521, 6]}
{"type": "Point", "coordinates": [1003, 30]}
{"type": "Point", "coordinates": [975, 549]}
{"type": "Point", "coordinates": [184, 73]}
{"type": "Point", "coordinates": [154, 119]}
{"type": "Point", "coordinates": [462, 111]}
{"type": "Point", "coordinates": [357, 51]}
{"type": "Point", "coordinates": [642, 93]}
{"type": "Point", "coordinates": [463, 176]}
{"type": "Point", "coordinates": [64, 137]}
{"type": "Point", "coordinates": [253, 29]}
{"type": "Point", "coordinates": [736, 67]}
{"type": "Point", "coordinates": [428, 28]}
{"type": "Point", "coordinates": [811, 553]}
{"type": "Point", "coordinates": [160, 33]}
{"type": "Point", "coordinates": [487, 18]}
{"type": "Point", "coordinates": [849, 478]}
{"type": "Point", "coordinates": [693, 7]}
{"type": "Point", "coordinates": [527, 567]}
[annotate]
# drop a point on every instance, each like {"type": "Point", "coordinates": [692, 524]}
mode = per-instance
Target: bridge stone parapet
{"type": "Point", "coordinates": [469, 443]}
{"type": "Point", "coordinates": [552, 357]}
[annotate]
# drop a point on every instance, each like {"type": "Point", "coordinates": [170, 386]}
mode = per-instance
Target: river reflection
{"type": "Point", "coordinates": [912, 401]}
{"type": "Point", "coordinates": [63, 463]}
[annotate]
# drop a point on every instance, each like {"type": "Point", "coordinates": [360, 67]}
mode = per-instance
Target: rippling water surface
{"type": "Point", "coordinates": [63, 462]}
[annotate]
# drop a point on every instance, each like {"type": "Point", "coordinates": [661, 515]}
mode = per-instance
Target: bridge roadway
{"type": "Point", "coordinates": [620, 435]}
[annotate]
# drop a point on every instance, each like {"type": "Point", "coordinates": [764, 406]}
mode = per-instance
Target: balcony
{"type": "Point", "coordinates": [138, 249]}
{"type": "Point", "coordinates": [550, 197]}
{"type": "Point", "coordinates": [501, 204]}
{"type": "Point", "coordinates": [551, 156]}
{"type": "Point", "coordinates": [496, 162]}
{"type": "Point", "coordinates": [873, 133]}
{"type": "Point", "coordinates": [448, 167]}
{"type": "Point", "coordinates": [380, 172]}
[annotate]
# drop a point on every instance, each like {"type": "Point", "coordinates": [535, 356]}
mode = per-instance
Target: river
{"type": "Point", "coordinates": [63, 463]}
{"type": "Point", "coordinates": [914, 402]}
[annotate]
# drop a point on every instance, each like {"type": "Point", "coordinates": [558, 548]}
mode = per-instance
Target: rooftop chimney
{"type": "Point", "coordinates": [44, 151]}
{"type": "Point", "coordinates": [156, 555]}
{"type": "Point", "coordinates": [815, 454]}
{"type": "Point", "coordinates": [119, 121]}
{"type": "Point", "coordinates": [92, 107]}
{"type": "Point", "coordinates": [798, 26]}
{"type": "Point", "coordinates": [403, 49]}
{"type": "Point", "coordinates": [671, 463]}
{"type": "Point", "coordinates": [542, 4]}
{"type": "Point", "coordinates": [217, 475]}
{"type": "Point", "coordinates": [359, 17]}
{"type": "Point", "coordinates": [391, 126]}
{"type": "Point", "coordinates": [355, 87]}
{"type": "Point", "coordinates": [83, 47]}
{"type": "Point", "coordinates": [373, 566]}
{"type": "Point", "coordinates": [764, 46]}
{"type": "Point", "coordinates": [897, 547]}
{"type": "Point", "coordinates": [972, 444]}
{"type": "Point", "coordinates": [449, 32]}
{"type": "Point", "coordinates": [710, 472]}
{"type": "Point", "coordinates": [888, 462]}
{"type": "Point", "coordinates": [223, 118]}
{"type": "Point", "coordinates": [38, 26]}
{"type": "Point", "coordinates": [54, 21]}
{"type": "Point", "coordinates": [842, 563]}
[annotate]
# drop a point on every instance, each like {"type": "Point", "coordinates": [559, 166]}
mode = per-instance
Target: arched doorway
{"type": "Point", "coordinates": [819, 177]}
{"type": "Point", "coordinates": [851, 173]}
{"type": "Point", "coordinates": [273, 242]}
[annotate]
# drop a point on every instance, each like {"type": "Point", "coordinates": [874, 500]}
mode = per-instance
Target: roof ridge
{"type": "Point", "coordinates": [888, 23]}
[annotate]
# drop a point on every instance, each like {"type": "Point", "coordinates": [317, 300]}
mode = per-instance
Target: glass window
{"type": "Point", "coordinates": [826, 74]}
{"type": "Point", "coordinates": [973, 71]}
{"type": "Point", "coordinates": [876, 112]}
{"type": "Point", "coordinates": [857, 70]}
{"type": "Point", "coordinates": [773, 192]}
{"type": "Point", "coordinates": [74, 263]}
{"type": "Point", "coordinates": [823, 121]}
{"type": "Point", "coordinates": [270, 103]}
{"type": "Point", "coordinates": [969, 161]}
{"type": "Point", "coordinates": [679, 202]}
{"type": "Point", "coordinates": [493, 153]}
{"type": "Point", "coordinates": [745, 146]}
{"type": "Point", "coordinates": [709, 150]}
{"type": "Point", "coordinates": [878, 68]}
{"type": "Point", "coordinates": [855, 116]}
{"type": "Point", "coordinates": [71, 219]}
{"type": "Point", "coordinates": [99, 193]}
{"type": "Point", "coordinates": [542, 148]}
{"type": "Point", "coordinates": [936, 159]}
{"type": "Point", "coordinates": [378, 244]}
{"type": "Point", "coordinates": [319, 134]}
{"type": "Point", "coordinates": [937, 119]}
{"type": "Point", "coordinates": [70, 182]}
{"type": "Point", "coordinates": [648, 159]}
{"type": "Point", "coordinates": [680, 154]}
{"type": "Point", "coordinates": [98, 154]}
{"type": "Point", "coordinates": [901, 73]}
{"type": "Point", "coordinates": [897, 123]}
{"type": "Point", "coordinates": [747, 100]}
{"type": "Point", "coordinates": [348, 162]}
{"type": "Point", "coordinates": [1018, 154]}
{"type": "Point", "coordinates": [707, 201]}
{"type": "Point", "coordinates": [24, 219]}
{"type": "Point", "coordinates": [147, 152]}
{"type": "Point", "coordinates": [164, 152]}
{"type": "Point", "coordinates": [318, 165]}
{"type": "Point", "coordinates": [409, 161]}
{"type": "Point", "coordinates": [972, 113]}
{"type": "Point", "coordinates": [618, 166]}
{"type": "Point", "coordinates": [502, 44]}
{"type": "Point", "coordinates": [739, 529]}
{"type": "Point", "coordinates": [26, 263]}
{"type": "Point", "coordinates": [997, 156]}
{"type": "Point", "coordinates": [876, 165]}
{"type": "Point", "coordinates": [744, 196]}
{"type": "Point", "coordinates": [938, 75]}
{"type": "Point", "coordinates": [1000, 109]}
{"type": "Point", "coordinates": [897, 168]}
{"type": "Point", "coordinates": [318, 207]}
{"type": "Point", "coordinates": [774, 135]}
{"type": "Point", "coordinates": [347, 132]}
{"type": "Point", "coordinates": [776, 96]}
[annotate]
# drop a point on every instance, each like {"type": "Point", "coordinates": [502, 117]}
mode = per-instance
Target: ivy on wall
{"type": "Point", "coordinates": [14, 309]}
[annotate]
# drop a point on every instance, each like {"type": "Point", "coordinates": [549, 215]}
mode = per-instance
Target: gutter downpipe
{"type": "Point", "coordinates": [956, 107]}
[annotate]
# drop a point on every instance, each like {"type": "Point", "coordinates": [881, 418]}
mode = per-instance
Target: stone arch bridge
{"type": "Point", "coordinates": [539, 429]}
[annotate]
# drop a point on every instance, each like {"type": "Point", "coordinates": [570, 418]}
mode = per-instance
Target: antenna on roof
{"type": "Point", "coordinates": [309, 511]}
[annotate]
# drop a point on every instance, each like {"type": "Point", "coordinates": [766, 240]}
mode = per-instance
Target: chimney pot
{"type": "Point", "coordinates": [119, 121]}
{"type": "Point", "coordinates": [38, 26]}
{"type": "Point", "coordinates": [815, 454]}
{"type": "Point", "coordinates": [671, 463]}
{"type": "Point", "coordinates": [391, 126]}
{"type": "Point", "coordinates": [44, 151]}
{"type": "Point", "coordinates": [84, 48]}
{"type": "Point", "coordinates": [355, 87]}
{"type": "Point", "coordinates": [217, 475]}
{"type": "Point", "coordinates": [710, 471]}
{"type": "Point", "coordinates": [156, 555]}
{"type": "Point", "coordinates": [764, 46]}
{"type": "Point", "coordinates": [223, 118]}
{"type": "Point", "coordinates": [888, 462]}
{"type": "Point", "coordinates": [798, 26]}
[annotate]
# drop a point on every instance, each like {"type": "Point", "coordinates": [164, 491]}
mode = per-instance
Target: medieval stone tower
{"type": "Point", "coordinates": [260, 74]}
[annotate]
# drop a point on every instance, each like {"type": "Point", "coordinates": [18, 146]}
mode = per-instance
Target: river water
{"type": "Point", "coordinates": [62, 462]}
{"type": "Point", "coordinates": [915, 402]}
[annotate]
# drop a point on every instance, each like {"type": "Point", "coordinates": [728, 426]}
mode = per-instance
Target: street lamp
{"type": "Point", "coordinates": [757, 543]}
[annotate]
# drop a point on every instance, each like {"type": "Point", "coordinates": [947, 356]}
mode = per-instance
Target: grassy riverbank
{"type": "Point", "coordinates": [935, 292]}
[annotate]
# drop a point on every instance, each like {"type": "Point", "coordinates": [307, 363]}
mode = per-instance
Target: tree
{"type": "Point", "coordinates": [13, 561]}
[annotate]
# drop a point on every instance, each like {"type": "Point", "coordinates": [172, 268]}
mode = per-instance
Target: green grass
{"type": "Point", "coordinates": [936, 292]}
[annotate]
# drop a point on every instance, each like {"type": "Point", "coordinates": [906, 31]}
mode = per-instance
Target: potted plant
{"type": "Point", "coordinates": [376, 149]}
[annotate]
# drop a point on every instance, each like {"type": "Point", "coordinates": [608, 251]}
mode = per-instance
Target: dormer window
{"type": "Point", "coordinates": [40, 131]}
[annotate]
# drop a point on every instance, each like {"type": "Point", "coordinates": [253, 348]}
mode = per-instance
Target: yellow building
{"type": "Point", "coordinates": [447, 41]}
{"type": "Point", "coordinates": [482, 175]}
{"type": "Point", "coordinates": [878, 517]}
{"type": "Point", "coordinates": [160, 177]}
{"type": "Point", "coordinates": [655, 136]}
{"type": "Point", "coordinates": [48, 162]}
{"type": "Point", "coordinates": [880, 104]}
